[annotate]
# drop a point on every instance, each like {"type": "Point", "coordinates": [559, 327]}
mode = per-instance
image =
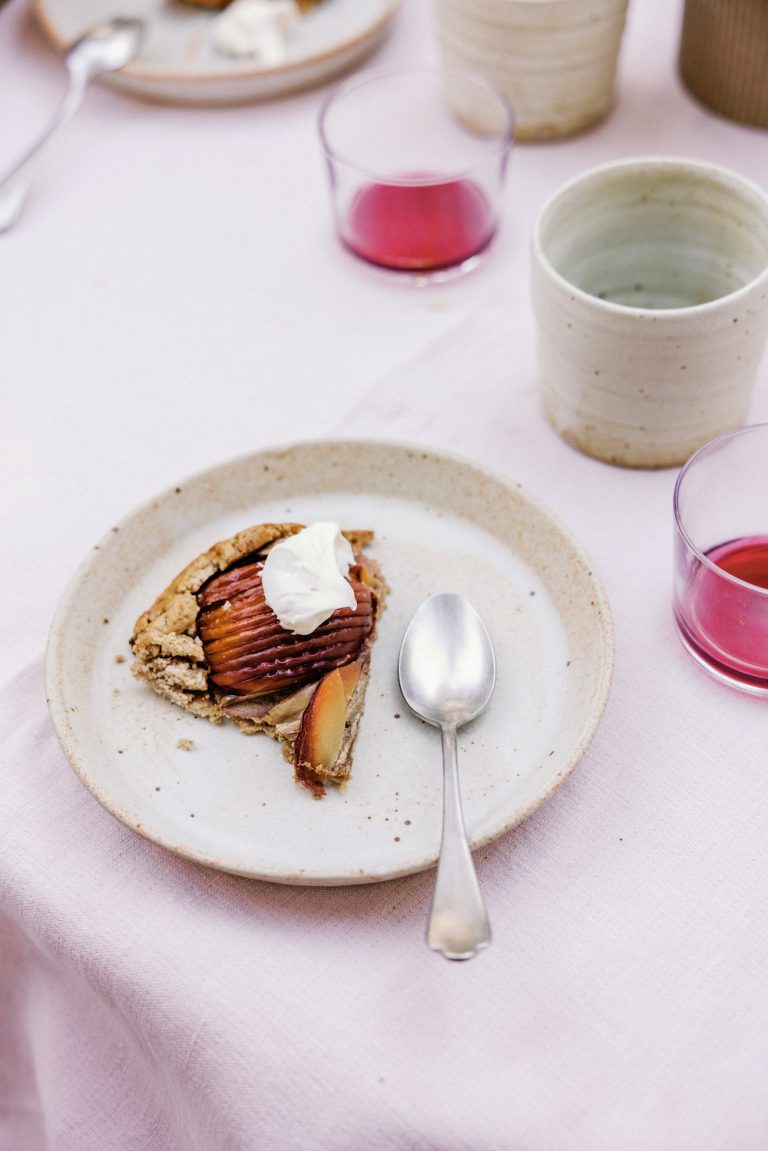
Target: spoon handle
{"type": "Point", "coordinates": [458, 922]}
{"type": "Point", "coordinates": [15, 184]}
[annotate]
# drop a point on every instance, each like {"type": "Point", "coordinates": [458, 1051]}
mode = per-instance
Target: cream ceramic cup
{"type": "Point", "coordinates": [555, 60]}
{"type": "Point", "coordinates": [650, 292]}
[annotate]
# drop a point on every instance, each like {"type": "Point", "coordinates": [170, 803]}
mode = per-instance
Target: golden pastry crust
{"type": "Point", "coordinates": [168, 651]}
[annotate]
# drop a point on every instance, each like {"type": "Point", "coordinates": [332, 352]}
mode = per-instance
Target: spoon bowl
{"type": "Point", "coordinates": [447, 672]}
{"type": "Point", "coordinates": [106, 47]}
{"type": "Point", "coordinates": [447, 665]}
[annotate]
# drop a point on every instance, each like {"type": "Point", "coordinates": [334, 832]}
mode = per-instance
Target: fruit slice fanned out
{"type": "Point", "coordinates": [247, 650]}
{"type": "Point", "coordinates": [321, 734]}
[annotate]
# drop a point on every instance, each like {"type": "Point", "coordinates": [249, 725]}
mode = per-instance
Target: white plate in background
{"type": "Point", "coordinates": [179, 64]}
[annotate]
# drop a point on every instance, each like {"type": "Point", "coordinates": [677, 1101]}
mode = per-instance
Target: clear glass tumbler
{"type": "Point", "coordinates": [417, 159]}
{"type": "Point", "coordinates": [721, 558]}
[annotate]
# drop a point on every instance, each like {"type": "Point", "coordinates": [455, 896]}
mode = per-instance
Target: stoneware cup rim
{"type": "Point", "coordinates": [645, 164]}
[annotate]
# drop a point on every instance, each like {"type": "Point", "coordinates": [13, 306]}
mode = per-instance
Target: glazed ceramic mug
{"type": "Point", "coordinates": [555, 60]}
{"type": "Point", "coordinates": [650, 292]}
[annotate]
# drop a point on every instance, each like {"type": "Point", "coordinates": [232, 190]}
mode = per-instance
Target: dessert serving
{"type": "Point", "coordinates": [271, 629]}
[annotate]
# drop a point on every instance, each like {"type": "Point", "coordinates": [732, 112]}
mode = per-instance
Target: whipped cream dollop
{"type": "Point", "coordinates": [259, 29]}
{"type": "Point", "coordinates": [304, 577]}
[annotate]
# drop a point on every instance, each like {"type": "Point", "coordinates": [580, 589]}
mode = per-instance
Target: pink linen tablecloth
{"type": "Point", "coordinates": [173, 295]}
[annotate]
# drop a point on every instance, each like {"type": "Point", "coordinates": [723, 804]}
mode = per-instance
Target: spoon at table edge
{"type": "Point", "coordinates": [104, 48]}
{"type": "Point", "coordinates": [447, 673]}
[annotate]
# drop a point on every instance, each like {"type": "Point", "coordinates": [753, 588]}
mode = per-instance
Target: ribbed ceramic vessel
{"type": "Point", "coordinates": [650, 291]}
{"type": "Point", "coordinates": [554, 59]}
{"type": "Point", "coordinates": [724, 57]}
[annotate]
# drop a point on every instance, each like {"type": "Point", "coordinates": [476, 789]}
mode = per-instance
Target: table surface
{"type": "Point", "coordinates": [174, 297]}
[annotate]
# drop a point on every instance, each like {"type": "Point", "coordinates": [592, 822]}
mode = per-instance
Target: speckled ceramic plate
{"type": "Point", "coordinates": [228, 800]}
{"type": "Point", "coordinates": [179, 64]}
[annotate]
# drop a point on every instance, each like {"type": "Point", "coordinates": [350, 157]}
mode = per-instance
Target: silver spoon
{"type": "Point", "coordinates": [447, 672]}
{"type": "Point", "coordinates": [104, 48]}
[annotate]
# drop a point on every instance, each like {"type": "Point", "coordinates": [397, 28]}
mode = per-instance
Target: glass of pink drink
{"type": "Point", "coordinates": [721, 558]}
{"type": "Point", "coordinates": [417, 160]}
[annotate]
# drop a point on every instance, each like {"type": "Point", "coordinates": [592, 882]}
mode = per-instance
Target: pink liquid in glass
{"type": "Point", "coordinates": [725, 623]}
{"type": "Point", "coordinates": [419, 227]}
